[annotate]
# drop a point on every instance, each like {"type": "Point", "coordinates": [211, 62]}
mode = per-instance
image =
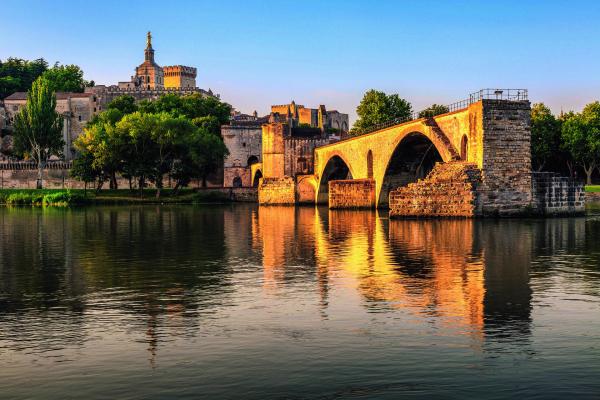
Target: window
{"type": "Point", "coordinates": [79, 117]}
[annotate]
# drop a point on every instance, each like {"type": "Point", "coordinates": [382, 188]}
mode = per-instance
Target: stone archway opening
{"type": "Point", "coordinates": [336, 169]}
{"type": "Point", "coordinates": [252, 160]}
{"type": "Point", "coordinates": [464, 148]}
{"type": "Point", "coordinates": [414, 157]}
{"type": "Point", "coordinates": [256, 178]}
{"type": "Point", "coordinates": [237, 182]}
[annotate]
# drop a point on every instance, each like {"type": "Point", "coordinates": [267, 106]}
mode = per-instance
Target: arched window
{"type": "Point", "coordinates": [464, 148]}
{"type": "Point", "coordinates": [252, 160]}
{"type": "Point", "coordinates": [237, 182]}
{"type": "Point", "coordinates": [370, 164]}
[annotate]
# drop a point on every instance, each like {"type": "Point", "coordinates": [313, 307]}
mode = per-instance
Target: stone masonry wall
{"type": "Point", "coordinates": [60, 178]}
{"type": "Point", "coordinates": [450, 190]}
{"type": "Point", "coordinates": [557, 195]}
{"type": "Point", "coordinates": [506, 169]}
{"type": "Point", "coordinates": [277, 191]}
{"type": "Point", "coordinates": [353, 193]}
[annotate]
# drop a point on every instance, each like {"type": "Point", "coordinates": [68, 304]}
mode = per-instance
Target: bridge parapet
{"type": "Point", "coordinates": [483, 94]}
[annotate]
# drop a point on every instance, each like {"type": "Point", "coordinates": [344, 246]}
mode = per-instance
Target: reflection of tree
{"type": "Point", "coordinates": [38, 279]}
{"type": "Point", "coordinates": [162, 264]}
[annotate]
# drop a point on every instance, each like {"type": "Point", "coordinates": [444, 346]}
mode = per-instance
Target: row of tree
{"type": "Point", "coordinates": [571, 140]}
{"type": "Point", "coordinates": [17, 75]}
{"type": "Point", "coordinates": [174, 136]}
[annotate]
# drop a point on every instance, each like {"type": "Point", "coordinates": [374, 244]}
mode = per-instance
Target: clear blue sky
{"type": "Point", "coordinates": [258, 53]}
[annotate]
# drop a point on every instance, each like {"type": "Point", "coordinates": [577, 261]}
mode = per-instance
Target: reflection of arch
{"type": "Point", "coordinates": [413, 158]}
{"type": "Point", "coordinates": [335, 169]}
{"type": "Point", "coordinates": [237, 182]}
{"type": "Point", "coordinates": [464, 148]}
{"type": "Point", "coordinates": [252, 160]}
{"type": "Point", "coordinates": [370, 164]}
{"type": "Point", "coordinates": [256, 178]}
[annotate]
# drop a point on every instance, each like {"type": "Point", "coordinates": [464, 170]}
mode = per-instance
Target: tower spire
{"type": "Point", "coordinates": [149, 52]}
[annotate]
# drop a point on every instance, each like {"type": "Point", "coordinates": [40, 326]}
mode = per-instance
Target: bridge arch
{"type": "Point", "coordinates": [256, 178]}
{"type": "Point", "coordinates": [336, 168]}
{"type": "Point", "coordinates": [413, 157]}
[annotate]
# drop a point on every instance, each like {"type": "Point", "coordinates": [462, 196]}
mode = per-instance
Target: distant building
{"type": "Point", "coordinates": [303, 129]}
{"type": "Point", "coordinates": [76, 108]}
{"type": "Point", "coordinates": [297, 115]}
{"type": "Point", "coordinates": [151, 81]}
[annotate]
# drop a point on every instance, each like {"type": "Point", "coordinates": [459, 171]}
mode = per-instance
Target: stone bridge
{"type": "Point", "coordinates": [492, 135]}
{"type": "Point", "coordinates": [474, 160]}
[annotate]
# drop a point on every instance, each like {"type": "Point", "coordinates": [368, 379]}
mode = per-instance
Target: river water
{"type": "Point", "coordinates": [238, 301]}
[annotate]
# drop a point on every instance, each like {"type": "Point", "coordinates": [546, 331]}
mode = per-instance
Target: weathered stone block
{"type": "Point", "coordinates": [277, 191]}
{"type": "Point", "coordinates": [352, 193]}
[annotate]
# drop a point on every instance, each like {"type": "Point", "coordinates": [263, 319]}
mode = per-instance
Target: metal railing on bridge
{"type": "Point", "coordinates": [483, 94]}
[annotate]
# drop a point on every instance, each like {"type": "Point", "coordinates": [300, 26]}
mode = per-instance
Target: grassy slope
{"type": "Point", "coordinates": [593, 188]}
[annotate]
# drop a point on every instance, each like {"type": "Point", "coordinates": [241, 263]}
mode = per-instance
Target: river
{"type": "Point", "coordinates": [238, 301]}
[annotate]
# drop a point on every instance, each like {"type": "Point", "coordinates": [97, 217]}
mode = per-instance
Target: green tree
{"type": "Point", "coordinates": [66, 78]}
{"type": "Point", "coordinates": [195, 106]}
{"type": "Point", "coordinates": [125, 104]}
{"type": "Point", "coordinates": [17, 75]}
{"type": "Point", "coordinates": [433, 110]}
{"type": "Point", "coordinates": [581, 138]}
{"type": "Point", "coordinates": [83, 168]}
{"type": "Point", "coordinates": [377, 107]}
{"type": "Point", "coordinates": [545, 135]}
{"type": "Point", "coordinates": [204, 153]}
{"type": "Point", "coordinates": [38, 127]}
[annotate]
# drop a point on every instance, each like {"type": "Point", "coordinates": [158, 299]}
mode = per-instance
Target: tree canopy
{"type": "Point", "coordinates": [66, 78]}
{"type": "Point", "coordinates": [147, 142]}
{"type": "Point", "coordinates": [208, 112]}
{"type": "Point", "coordinates": [581, 138]}
{"type": "Point", "coordinates": [545, 135]}
{"type": "Point", "coordinates": [17, 75]}
{"type": "Point", "coordinates": [433, 110]}
{"type": "Point", "coordinates": [377, 107]}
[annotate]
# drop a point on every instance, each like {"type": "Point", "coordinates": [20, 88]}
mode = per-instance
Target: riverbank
{"type": "Point", "coordinates": [62, 197]}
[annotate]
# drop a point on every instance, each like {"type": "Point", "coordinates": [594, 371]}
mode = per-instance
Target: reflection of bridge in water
{"type": "Point", "coordinates": [470, 274]}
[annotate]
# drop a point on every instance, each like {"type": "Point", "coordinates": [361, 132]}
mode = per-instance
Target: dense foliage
{"type": "Point", "coordinates": [38, 127]}
{"type": "Point", "coordinates": [569, 143]}
{"type": "Point", "coordinates": [17, 75]}
{"type": "Point", "coordinates": [377, 107]}
{"type": "Point", "coordinates": [581, 138]}
{"type": "Point", "coordinates": [66, 78]}
{"type": "Point", "coordinates": [545, 136]}
{"type": "Point", "coordinates": [173, 136]}
{"type": "Point", "coordinates": [433, 110]}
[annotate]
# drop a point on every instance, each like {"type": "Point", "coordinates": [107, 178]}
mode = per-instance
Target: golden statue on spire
{"type": "Point", "coordinates": [148, 40]}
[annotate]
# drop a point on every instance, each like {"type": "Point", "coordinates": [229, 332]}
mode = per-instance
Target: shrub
{"type": "Point", "coordinates": [65, 198]}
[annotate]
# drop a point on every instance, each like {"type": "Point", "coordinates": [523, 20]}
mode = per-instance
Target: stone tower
{"type": "Point", "coordinates": [149, 75]}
